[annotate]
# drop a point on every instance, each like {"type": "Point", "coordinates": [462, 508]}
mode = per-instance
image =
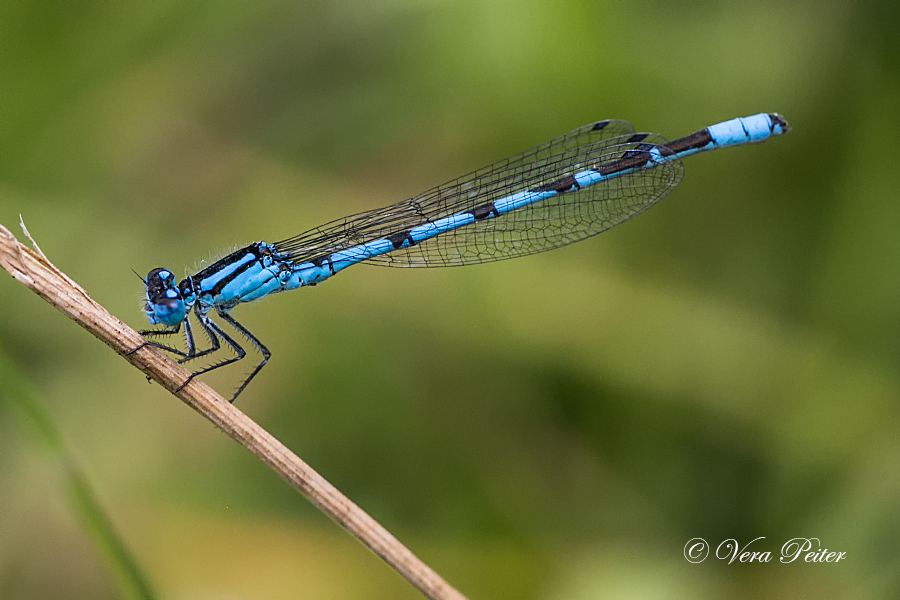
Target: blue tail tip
{"type": "Point", "coordinates": [779, 120]}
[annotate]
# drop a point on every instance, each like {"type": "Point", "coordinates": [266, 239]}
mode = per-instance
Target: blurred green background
{"type": "Point", "coordinates": [554, 427]}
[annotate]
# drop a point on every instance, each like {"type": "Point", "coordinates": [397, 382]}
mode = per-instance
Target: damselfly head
{"type": "Point", "coordinates": [164, 303]}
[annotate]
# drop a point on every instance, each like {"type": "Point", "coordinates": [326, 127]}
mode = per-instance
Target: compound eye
{"type": "Point", "coordinates": [160, 276]}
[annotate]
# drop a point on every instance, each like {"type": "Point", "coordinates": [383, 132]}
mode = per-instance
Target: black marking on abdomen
{"type": "Point", "coordinates": [698, 139]}
{"type": "Point", "coordinates": [560, 186]}
{"type": "Point", "coordinates": [639, 151]}
{"type": "Point", "coordinates": [398, 238]}
{"type": "Point", "coordinates": [633, 159]}
{"type": "Point", "coordinates": [776, 119]}
{"type": "Point", "coordinates": [484, 211]}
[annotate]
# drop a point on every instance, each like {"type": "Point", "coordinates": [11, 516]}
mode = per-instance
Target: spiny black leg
{"type": "Point", "coordinates": [188, 338]}
{"type": "Point", "coordinates": [252, 339]}
{"type": "Point", "coordinates": [159, 332]}
{"type": "Point", "coordinates": [192, 349]}
{"type": "Point", "coordinates": [192, 352]}
{"type": "Point", "coordinates": [216, 332]}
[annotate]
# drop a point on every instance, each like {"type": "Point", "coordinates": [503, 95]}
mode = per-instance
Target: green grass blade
{"type": "Point", "coordinates": [37, 422]}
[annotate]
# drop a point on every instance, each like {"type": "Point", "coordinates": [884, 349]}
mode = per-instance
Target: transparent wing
{"type": "Point", "coordinates": [556, 221]}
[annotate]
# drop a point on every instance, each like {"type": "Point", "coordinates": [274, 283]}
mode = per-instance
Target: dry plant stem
{"type": "Point", "coordinates": [37, 273]}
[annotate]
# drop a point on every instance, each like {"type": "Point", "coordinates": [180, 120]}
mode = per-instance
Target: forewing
{"type": "Point", "coordinates": [550, 223]}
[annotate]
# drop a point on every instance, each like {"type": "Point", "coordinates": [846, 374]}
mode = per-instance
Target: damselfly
{"type": "Point", "coordinates": [560, 192]}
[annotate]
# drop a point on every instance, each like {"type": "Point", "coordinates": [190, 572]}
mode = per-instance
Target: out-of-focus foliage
{"type": "Point", "coordinates": [18, 396]}
{"type": "Point", "coordinates": [554, 427]}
